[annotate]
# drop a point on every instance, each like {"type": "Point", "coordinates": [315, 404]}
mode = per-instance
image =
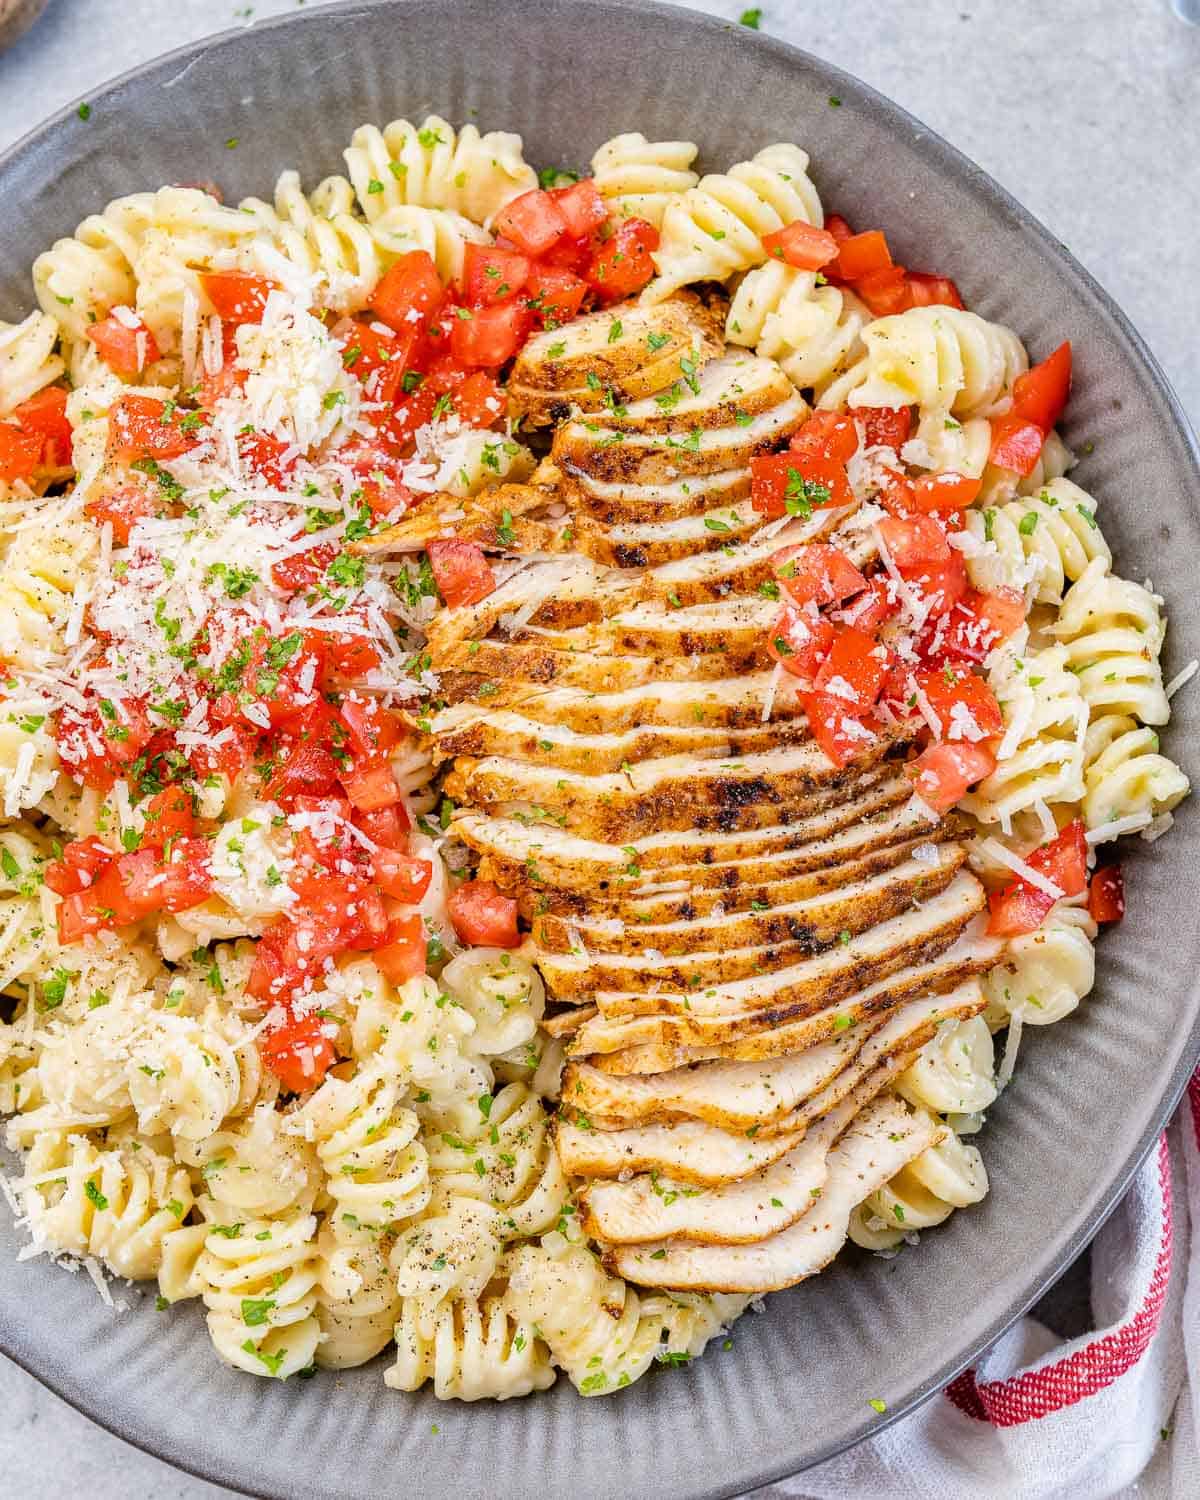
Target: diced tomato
{"type": "Point", "coordinates": [376, 359]}
{"type": "Point", "coordinates": [123, 730]}
{"type": "Point", "coordinates": [838, 227]}
{"type": "Point", "coordinates": [461, 571]}
{"type": "Point", "coordinates": [1016, 443]}
{"type": "Point", "coordinates": [130, 888]}
{"type": "Point", "coordinates": [186, 874]}
{"type": "Point", "coordinates": [303, 570]}
{"type": "Point", "coordinates": [215, 385]}
{"type": "Point", "coordinates": [380, 473]}
{"type": "Point", "coordinates": [302, 768]}
{"type": "Point", "coordinates": [282, 674]}
{"type": "Point", "coordinates": [78, 916]}
{"type": "Point", "coordinates": [125, 350]}
{"type": "Point", "coordinates": [298, 1052]}
{"type": "Point", "coordinates": [291, 953]}
{"type": "Point", "coordinates": [370, 786]}
{"type": "Point", "coordinates": [839, 732]}
{"type": "Point", "coordinates": [861, 254]}
{"type": "Point", "coordinates": [941, 584]}
{"type": "Point", "coordinates": [979, 622]}
{"type": "Point", "coordinates": [926, 290]}
{"type": "Point", "coordinates": [492, 275]}
{"type": "Point", "coordinates": [951, 693]}
{"type": "Point", "coordinates": [237, 296]}
{"type": "Point", "coordinates": [895, 492]}
{"type": "Point", "coordinates": [945, 492]}
{"type": "Point", "coordinates": [264, 455]}
{"type": "Point", "coordinates": [373, 730]}
{"type": "Point", "coordinates": [817, 573]}
{"type": "Point", "coordinates": [387, 826]}
{"type": "Point", "coordinates": [533, 222]}
{"type": "Point", "coordinates": [403, 956]}
{"type": "Point", "coordinates": [228, 758]}
{"type": "Point", "coordinates": [581, 206]}
{"type": "Point", "coordinates": [622, 265]}
{"type": "Point", "coordinates": [801, 245]}
{"type": "Point", "coordinates": [884, 426]}
{"type": "Point", "coordinates": [489, 336]}
{"type": "Point", "coordinates": [1106, 894]}
{"type": "Point", "coordinates": [574, 255]}
{"type": "Point", "coordinates": [482, 916]}
{"type": "Point", "coordinates": [885, 291]}
{"type": "Point", "coordinates": [788, 484]}
{"type": "Point", "coordinates": [553, 294]}
{"type": "Point", "coordinates": [479, 400]}
{"type": "Point", "coordinates": [914, 542]}
{"type": "Point", "coordinates": [121, 503]}
{"type": "Point", "coordinates": [20, 453]}
{"type": "Point", "coordinates": [413, 411]}
{"type": "Point", "coordinates": [872, 607]}
{"type": "Point", "coordinates": [168, 816]}
{"type": "Point", "coordinates": [144, 427]}
{"type": "Point", "coordinates": [349, 655]}
{"type": "Point", "coordinates": [942, 773]}
{"type": "Point", "coordinates": [1021, 907]}
{"type": "Point", "coordinates": [83, 860]}
{"type": "Point", "coordinates": [854, 670]}
{"type": "Point", "coordinates": [828, 435]}
{"type": "Point", "coordinates": [1041, 393]}
{"type": "Point", "coordinates": [46, 415]}
{"type": "Point", "coordinates": [799, 643]}
{"type": "Point", "coordinates": [410, 293]}
{"type": "Point", "coordinates": [402, 875]}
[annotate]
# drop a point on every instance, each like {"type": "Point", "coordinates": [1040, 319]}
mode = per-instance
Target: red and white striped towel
{"type": "Point", "coordinates": [1112, 1414]}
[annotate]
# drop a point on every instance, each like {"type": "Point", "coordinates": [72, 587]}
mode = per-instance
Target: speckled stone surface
{"type": "Point", "coordinates": [1084, 109]}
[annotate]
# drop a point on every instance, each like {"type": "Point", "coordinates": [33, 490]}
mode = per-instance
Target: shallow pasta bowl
{"type": "Point", "coordinates": [1091, 1094]}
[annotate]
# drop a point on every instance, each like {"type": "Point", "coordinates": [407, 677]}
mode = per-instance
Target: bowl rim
{"type": "Point", "coordinates": [77, 1394]}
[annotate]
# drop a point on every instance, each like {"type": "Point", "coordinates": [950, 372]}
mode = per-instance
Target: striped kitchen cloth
{"type": "Point", "coordinates": [1111, 1414]}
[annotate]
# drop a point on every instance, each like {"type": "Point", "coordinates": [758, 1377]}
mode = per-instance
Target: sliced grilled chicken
{"type": "Point", "coordinates": [875, 812]}
{"type": "Point", "coordinates": [657, 1208]}
{"type": "Point", "coordinates": [621, 354]}
{"type": "Point", "coordinates": [813, 924]}
{"type": "Point", "coordinates": [739, 982]}
{"type": "Point", "coordinates": [616, 504]}
{"type": "Point", "coordinates": [673, 792]}
{"type": "Point", "coordinates": [736, 703]}
{"type": "Point", "coordinates": [704, 1154]}
{"type": "Point", "coordinates": [885, 1138]}
{"type": "Point", "coordinates": [607, 447]}
{"type": "Point", "coordinates": [739, 1095]}
{"type": "Point", "coordinates": [774, 1030]}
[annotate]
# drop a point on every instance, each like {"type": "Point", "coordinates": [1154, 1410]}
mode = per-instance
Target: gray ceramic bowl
{"type": "Point", "coordinates": [1091, 1094]}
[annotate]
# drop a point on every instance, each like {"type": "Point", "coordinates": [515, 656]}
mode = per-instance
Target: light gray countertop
{"type": "Point", "coordinates": [1085, 109]}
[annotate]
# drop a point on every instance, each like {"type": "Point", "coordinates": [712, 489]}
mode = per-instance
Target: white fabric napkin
{"type": "Point", "coordinates": [1114, 1413]}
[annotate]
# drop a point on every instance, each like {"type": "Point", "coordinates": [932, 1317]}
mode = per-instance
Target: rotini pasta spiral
{"type": "Point", "coordinates": [1125, 773]}
{"type": "Point", "coordinates": [944, 1177]}
{"type": "Point", "coordinates": [434, 166]}
{"type": "Point", "coordinates": [1044, 542]}
{"type": "Point", "coordinates": [440, 232]}
{"type": "Point", "coordinates": [941, 357]}
{"type": "Point", "coordinates": [255, 1168]}
{"type": "Point", "coordinates": [1041, 754]}
{"type": "Point", "coordinates": [1043, 975]}
{"type": "Point", "coordinates": [507, 1160]}
{"type": "Point", "coordinates": [81, 277]}
{"type": "Point", "coordinates": [454, 1252]}
{"type": "Point", "coordinates": [478, 1351]}
{"type": "Point", "coordinates": [639, 178]}
{"type": "Point", "coordinates": [188, 1076]}
{"type": "Point", "coordinates": [259, 1280]}
{"type": "Point", "coordinates": [715, 229]}
{"type": "Point", "coordinates": [600, 1331]}
{"type": "Point", "coordinates": [357, 1303]}
{"type": "Point", "coordinates": [1000, 485]}
{"type": "Point", "coordinates": [118, 1205]}
{"type": "Point", "coordinates": [44, 574]}
{"type": "Point", "coordinates": [1113, 631]}
{"type": "Point", "coordinates": [504, 995]}
{"type": "Point", "coordinates": [376, 1171]}
{"type": "Point", "coordinates": [27, 359]}
{"type": "Point", "coordinates": [28, 758]}
{"type": "Point", "coordinates": [954, 1073]}
{"type": "Point", "coordinates": [813, 332]}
